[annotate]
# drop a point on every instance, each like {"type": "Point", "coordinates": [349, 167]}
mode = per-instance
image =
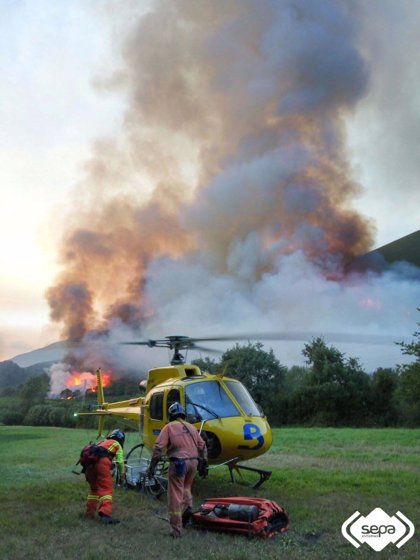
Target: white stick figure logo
{"type": "Point", "coordinates": [377, 529]}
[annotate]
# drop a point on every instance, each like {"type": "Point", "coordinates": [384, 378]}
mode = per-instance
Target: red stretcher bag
{"type": "Point", "coordinates": [249, 516]}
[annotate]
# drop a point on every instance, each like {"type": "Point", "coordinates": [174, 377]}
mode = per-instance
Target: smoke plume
{"type": "Point", "coordinates": [224, 203]}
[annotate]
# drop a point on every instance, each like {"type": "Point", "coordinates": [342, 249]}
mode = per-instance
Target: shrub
{"type": "Point", "coordinates": [11, 416]}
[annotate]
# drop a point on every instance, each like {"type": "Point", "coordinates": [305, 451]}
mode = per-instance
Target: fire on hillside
{"type": "Point", "coordinates": [86, 381]}
{"type": "Point", "coordinates": [68, 382]}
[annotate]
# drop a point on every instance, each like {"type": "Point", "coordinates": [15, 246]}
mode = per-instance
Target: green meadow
{"type": "Point", "coordinates": [321, 476]}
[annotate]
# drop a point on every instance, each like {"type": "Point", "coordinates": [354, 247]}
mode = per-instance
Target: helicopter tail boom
{"type": "Point", "coordinates": [101, 400]}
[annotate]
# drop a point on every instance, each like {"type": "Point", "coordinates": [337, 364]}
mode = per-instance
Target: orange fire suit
{"type": "Point", "coordinates": [99, 477]}
{"type": "Point", "coordinates": [181, 441]}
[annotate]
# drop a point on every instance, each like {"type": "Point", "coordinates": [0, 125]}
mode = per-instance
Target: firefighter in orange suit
{"type": "Point", "coordinates": [99, 477]}
{"type": "Point", "coordinates": [184, 447]}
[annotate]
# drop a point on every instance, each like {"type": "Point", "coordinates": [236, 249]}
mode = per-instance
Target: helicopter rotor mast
{"type": "Point", "coordinates": [175, 343]}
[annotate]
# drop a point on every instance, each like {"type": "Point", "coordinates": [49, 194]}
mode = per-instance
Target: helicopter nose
{"type": "Point", "coordinates": [236, 438]}
{"type": "Point", "coordinates": [256, 437]}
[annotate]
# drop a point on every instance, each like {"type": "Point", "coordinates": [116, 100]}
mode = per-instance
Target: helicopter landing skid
{"type": "Point", "coordinates": [264, 475]}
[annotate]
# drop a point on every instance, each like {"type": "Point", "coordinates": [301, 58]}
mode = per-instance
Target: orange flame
{"type": "Point", "coordinates": [85, 380]}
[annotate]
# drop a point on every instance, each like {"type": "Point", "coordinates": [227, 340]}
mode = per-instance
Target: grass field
{"type": "Point", "coordinates": [320, 476]}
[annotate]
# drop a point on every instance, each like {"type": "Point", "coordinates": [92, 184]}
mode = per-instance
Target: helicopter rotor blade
{"type": "Point", "coordinates": [298, 336]}
{"type": "Point", "coordinates": [150, 343]}
{"type": "Point", "coordinates": [205, 349]}
{"type": "Point", "coordinates": [184, 342]}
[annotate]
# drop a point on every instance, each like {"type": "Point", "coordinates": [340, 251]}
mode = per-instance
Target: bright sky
{"type": "Point", "coordinates": [50, 52]}
{"type": "Point", "coordinates": [50, 114]}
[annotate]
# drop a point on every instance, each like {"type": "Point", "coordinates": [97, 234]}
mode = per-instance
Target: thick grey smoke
{"type": "Point", "coordinates": [385, 131]}
{"type": "Point", "coordinates": [225, 204]}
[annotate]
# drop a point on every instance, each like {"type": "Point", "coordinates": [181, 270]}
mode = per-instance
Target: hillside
{"type": "Point", "coordinates": [406, 249]}
{"type": "Point", "coordinates": [11, 375]}
{"type": "Point", "coordinates": [52, 353]}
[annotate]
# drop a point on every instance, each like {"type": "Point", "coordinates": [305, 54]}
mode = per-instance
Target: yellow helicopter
{"type": "Point", "coordinates": [232, 424]}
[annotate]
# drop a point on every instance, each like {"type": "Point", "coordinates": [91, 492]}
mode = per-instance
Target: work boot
{"type": "Point", "coordinates": [107, 519]}
{"type": "Point", "coordinates": [186, 516]}
{"type": "Point", "coordinates": [175, 534]}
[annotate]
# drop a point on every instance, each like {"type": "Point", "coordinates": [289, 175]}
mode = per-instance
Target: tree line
{"type": "Point", "coordinates": [330, 390]}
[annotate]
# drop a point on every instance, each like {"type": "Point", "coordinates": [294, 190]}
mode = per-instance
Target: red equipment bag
{"type": "Point", "coordinates": [249, 516]}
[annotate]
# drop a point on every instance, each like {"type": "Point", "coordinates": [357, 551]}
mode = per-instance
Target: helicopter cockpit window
{"type": "Point", "coordinates": [156, 406]}
{"type": "Point", "coordinates": [173, 397]}
{"type": "Point", "coordinates": [207, 400]}
{"type": "Point", "coordinates": [244, 399]}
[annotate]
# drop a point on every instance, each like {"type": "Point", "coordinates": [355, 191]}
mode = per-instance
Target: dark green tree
{"type": "Point", "coordinates": [296, 377]}
{"type": "Point", "coordinates": [337, 390]}
{"type": "Point", "coordinates": [34, 391]}
{"type": "Point", "coordinates": [409, 382]}
{"type": "Point", "coordinates": [11, 414]}
{"type": "Point", "coordinates": [260, 372]}
{"type": "Point", "coordinates": [125, 386]}
{"type": "Point", "coordinates": [412, 348]}
{"type": "Point", "coordinates": [66, 394]}
{"type": "Point", "coordinates": [384, 406]}
{"type": "Point", "coordinates": [10, 392]}
{"type": "Point", "coordinates": [207, 365]}
{"type": "Point", "coordinates": [38, 415]}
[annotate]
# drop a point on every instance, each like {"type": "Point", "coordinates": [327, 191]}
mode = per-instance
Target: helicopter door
{"type": "Point", "coordinates": [156, 420]}
{"type": "Point", "coordinates": [172, 397]}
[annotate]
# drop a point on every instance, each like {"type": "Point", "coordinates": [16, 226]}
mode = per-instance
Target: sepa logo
{"type": "Point", "coordinates": [378, 529]}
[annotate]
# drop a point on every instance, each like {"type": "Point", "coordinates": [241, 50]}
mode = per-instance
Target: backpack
{"type": "Point", "coordinates": [248, 516]}
{"type": "Point", "coordinates": [90, 454]}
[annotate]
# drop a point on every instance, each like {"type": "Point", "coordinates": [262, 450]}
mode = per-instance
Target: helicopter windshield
{"type": "Point", "coordinates": [207, 400]}
{"type": "Point", "coordinates": [244, 398]}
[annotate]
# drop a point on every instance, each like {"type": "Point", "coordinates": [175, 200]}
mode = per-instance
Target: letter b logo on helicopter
{"type": "Point", "coordinates": [252, 432]}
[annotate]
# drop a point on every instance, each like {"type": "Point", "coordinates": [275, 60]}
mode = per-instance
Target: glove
{"type": "Point", "coordinates": [120, 481]}
{"type": "Point", "coordinates": [150, 473]}
{"type": "Point", "coordinates": [203, 468]}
